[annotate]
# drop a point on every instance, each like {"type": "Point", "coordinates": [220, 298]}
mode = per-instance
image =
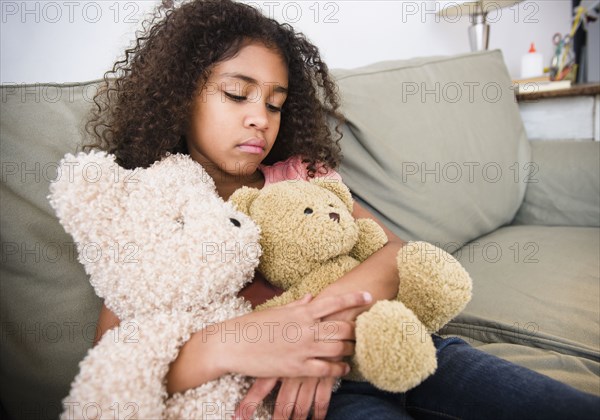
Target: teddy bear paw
{"type": "Point", "coordinates": [394, 350]}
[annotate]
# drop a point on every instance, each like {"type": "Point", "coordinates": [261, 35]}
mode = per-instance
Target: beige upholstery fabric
{"type": "Point", "coordinates": [564, 186]}
{"type": "Point", "coordinates": [397, 142]}
{"type": "Point", "coordinates": [433, 144]}
{"type": "Point", "coordinates": [545, 289]}
{"type": "Point", "coordinates": [49, 310]}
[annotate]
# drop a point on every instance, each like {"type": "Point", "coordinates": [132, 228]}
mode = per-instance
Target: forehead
{"type": "Point", "coordinates": [255, 61]}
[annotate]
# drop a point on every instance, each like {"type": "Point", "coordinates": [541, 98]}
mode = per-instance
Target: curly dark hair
{"type": "Point", "coordinates": [142, 108]}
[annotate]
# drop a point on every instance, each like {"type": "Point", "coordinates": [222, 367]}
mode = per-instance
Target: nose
{"type": "Point", "coordinates": [256, 116]}
{"type": "Point", "coordinates": [335, 217]}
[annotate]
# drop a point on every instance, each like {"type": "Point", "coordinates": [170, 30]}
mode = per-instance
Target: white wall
{"type": "Point", "coordinates": [66, 41]}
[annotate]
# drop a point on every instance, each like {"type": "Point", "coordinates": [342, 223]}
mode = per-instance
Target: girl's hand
{"type": "Point", "coordinates": [295, 396]}
{"type": "Point", "coordinates": [289, 341]}
{"type": "Point", "coordinates": [294, 400]}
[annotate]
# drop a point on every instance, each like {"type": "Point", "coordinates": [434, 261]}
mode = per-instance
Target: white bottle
{"type": "Point", "coordinates": [532, 64]}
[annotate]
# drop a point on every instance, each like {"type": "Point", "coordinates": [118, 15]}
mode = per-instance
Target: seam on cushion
{"type": "Point", "coordinates": [435, 61]}
{"type": "Point", "coordinates": [8, 85]}
{"type": "Point", "coordinates": [515, 337]}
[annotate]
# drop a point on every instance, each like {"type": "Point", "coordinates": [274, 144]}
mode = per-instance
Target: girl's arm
{"type": "Point", "coordinates": [377, 275]}
{"type": "Point", "coordinates": [106, 321]}
{"type": "Point", "coordinates": [256, 292]}
{"type": "Point", "coordinates": [218, 350]}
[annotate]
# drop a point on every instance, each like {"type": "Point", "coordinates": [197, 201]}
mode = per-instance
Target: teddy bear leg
{"type": "Point", "coordinates": [123, 375]}
{"type": "Point", "coordinates": [393, 349]}
{"type": "Point", "coordinates": [433, 284]}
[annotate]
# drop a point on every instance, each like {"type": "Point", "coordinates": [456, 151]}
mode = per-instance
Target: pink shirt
{"type": "Point", "coordinates": [293, 168]}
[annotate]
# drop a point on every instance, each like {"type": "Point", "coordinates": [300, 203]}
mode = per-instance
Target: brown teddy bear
{"type": "Point", "coordinates": [309, 239]}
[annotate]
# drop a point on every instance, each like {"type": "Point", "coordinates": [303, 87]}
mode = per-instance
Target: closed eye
{"type": "Point", "coordinates": [235, 98]}
{"type": "Point", "coordinates": [238, 98]}
{"type": "Point", "coordinates": [273, 108]}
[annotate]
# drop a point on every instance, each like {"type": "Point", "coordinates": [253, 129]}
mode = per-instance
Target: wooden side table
{"type": "Point", "coordinates": [567, 114]}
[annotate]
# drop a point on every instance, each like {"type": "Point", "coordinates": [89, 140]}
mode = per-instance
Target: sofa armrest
{"type": "Point", "coordinates": [563, 187]}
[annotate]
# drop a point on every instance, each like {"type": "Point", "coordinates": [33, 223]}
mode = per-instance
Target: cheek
{"type": "Point", "coordinates": [275, 124]}
{"type": "Point", "coordinates": [202, 129]}
{"type": "Point", "coordinates": [211, 116]}
{"type": "Point", "coordinates": [197, 113]}
{"type": "Point", "coordinates": [197, 127]}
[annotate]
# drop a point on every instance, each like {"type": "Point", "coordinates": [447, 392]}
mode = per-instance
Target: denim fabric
{"type": "Point", "coordinates": [468, 384]}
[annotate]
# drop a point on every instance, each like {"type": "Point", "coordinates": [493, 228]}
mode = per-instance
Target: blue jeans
{"type": "Point", "coordinates": [468, 384]}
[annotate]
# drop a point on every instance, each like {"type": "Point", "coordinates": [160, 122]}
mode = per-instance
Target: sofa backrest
{"type": "Point", "coordinates": [565, 188]}
{"type": "Point", "coordinates": [435, 146]}
{"type": "Point", "coordinates": [49, 310]}
{"type": "Point", "coordinates": [461, 117]}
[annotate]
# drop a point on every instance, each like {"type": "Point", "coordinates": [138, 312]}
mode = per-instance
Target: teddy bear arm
{"type": "Point", "coordinates": [371, 238]}
{"type": "Point", "coordinates": [393, 349]}
{"type": "Point", "coordinates": [127, 370]}
{"type": "Point", "coordinates": [433, 284]}
{"type": "Point", "coordinates": [314, 282]}
{"type": "Point", "coordinates": [310, 284]}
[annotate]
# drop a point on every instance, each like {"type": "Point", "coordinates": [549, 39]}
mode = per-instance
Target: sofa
{"type": "Point", "coordinates": [434, 146]}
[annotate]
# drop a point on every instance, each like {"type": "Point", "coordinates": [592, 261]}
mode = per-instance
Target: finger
{"type": "Point", "coordinates": [322, 398]}
{"type": "Point", "coordinates": [325, 368]}
{"type": "Point", "coordinates": [335, 349]}
{"type": "Point", "coordinates": [305, 398]}
{"type": "Point", "coordinates": [331, 331]}
{"type": "Point", "coordinates": [256, 394]}
{"type": "Point", "coordinates": [332, 304]}
{"type": "Point", "coordinates": [286, 398]}
{"type": "Point", "coordinates": [303, 300]}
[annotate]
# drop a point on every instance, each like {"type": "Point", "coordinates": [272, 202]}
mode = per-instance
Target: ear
{"type": "Point", "coordinates": [338, 188]}
{"type": "Point", "coordinates": [243, 198]}
{"type": "Point", "coordinates": [85, 186]}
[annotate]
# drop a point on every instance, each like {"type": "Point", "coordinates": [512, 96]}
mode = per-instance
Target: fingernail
{"type": "Point", "coordinates": [367, 297]}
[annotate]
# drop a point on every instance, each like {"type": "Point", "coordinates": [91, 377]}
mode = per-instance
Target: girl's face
{"type": "Point", "coordinates": [235, 118]}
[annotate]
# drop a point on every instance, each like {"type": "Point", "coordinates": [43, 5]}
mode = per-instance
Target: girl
{"type": "Point", "coordinates": [248, 99]}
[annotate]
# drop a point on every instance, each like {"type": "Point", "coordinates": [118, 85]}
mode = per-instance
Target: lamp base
{"type": "Point", "coordinates": [479, 36]}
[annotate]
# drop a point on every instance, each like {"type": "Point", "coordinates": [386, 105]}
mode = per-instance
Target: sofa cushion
{"type": "Point", "coordinates": [564, 187]}
{"type": "Point", "coordinates": [49, 310]}
{"type": "Point", "coordinates": [546, 287]}
{"type": "Point", "coordinates": [433, 145]}
{"type": "Point", "coordinates": [579, 372]}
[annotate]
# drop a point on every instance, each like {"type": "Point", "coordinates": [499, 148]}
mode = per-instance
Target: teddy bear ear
{"type": "Point", "coordinates": [338, 188]}
{"type": "Point", "coordinates": [243, 198]}
{"type": "Point", "coordinates": [86, 185]}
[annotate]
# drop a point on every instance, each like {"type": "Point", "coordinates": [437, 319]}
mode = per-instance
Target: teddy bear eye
{"type": "Point", "coordinates": [308, 210]}
{"type": "Point", "coordinates": [180, 221]}
{"type": "Point", "coordinates": [235, 222]}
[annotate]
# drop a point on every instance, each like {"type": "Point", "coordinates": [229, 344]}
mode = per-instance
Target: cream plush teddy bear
{"type": "Point", "coordinates": [309, 239]}
{"type": "Point", "coordinates": [168, 256]}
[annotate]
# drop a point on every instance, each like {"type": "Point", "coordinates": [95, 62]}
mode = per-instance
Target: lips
{"type": "Point", "coordinates": [253, 145]}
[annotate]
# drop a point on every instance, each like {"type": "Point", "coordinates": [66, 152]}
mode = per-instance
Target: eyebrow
{"type": "Point", "coordinates": [251, 80]}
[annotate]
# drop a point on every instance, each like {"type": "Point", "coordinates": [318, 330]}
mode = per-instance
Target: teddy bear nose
{"type": "Point", "coordinates": [335, 217]}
